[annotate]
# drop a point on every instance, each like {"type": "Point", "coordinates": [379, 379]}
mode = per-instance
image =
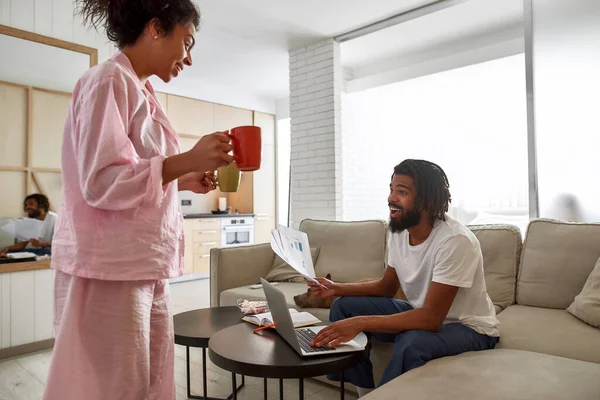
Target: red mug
{"type": "Point", "coordinates": [247, 147]}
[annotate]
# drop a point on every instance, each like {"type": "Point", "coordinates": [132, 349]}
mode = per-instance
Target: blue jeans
{"type": "Point", "coordinates": [412, 348]}
{"type": "Point", "coordinates": [40, 251]}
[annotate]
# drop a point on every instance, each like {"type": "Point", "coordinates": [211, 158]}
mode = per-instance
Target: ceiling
{"type": "Point", "coordinates": [242, 46]}
{"type": "Point", "coordinates": [469, 24]}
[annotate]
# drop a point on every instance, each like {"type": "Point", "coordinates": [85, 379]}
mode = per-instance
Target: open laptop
{"type": "Point", "coordinates": [299, 338]}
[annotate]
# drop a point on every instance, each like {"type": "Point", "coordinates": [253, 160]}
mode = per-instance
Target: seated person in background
{"type": "Point", "coordinates": [37, 206]}
{"type": "Point", "coordinates": [439, 265]}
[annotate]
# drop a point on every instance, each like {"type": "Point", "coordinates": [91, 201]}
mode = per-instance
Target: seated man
{"type": "Point", "coordinates": [37, 206]}
{"type": "Point", "coordinates": [439, 265]}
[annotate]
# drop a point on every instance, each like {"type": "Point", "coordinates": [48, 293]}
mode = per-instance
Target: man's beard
{"type": "Point", "coordinates": [408, 219]}
{"type": "Point", "coordinates": [33, 214]}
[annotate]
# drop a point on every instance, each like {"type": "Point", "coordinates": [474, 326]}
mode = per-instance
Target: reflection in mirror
{"type": "Point", "coordinates": [37, 75]}
{"type": "Point", "coordinates": [35, 64]}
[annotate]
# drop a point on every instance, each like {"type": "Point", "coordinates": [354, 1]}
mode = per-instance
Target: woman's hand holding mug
{"type": "Point", "coordinates": [211, 152]}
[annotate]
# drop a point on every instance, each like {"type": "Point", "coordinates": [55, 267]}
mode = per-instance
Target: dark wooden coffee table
{"type": "Point", "coordinates": [266, 355]}
{"type": "Point", "coordinates": [195, 328]}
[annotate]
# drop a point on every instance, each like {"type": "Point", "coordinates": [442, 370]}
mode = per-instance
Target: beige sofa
{"type": "Point", "coordinates": [544, 352]}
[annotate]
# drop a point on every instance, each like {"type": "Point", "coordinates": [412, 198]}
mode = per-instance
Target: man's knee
{"type": "Point", "coordinates": [339, 309]}
{"type": "Point", "coordinates": [414, 348]}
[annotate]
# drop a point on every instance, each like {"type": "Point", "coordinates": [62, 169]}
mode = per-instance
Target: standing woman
{"type": "Point", "coordinates": [119, 234]}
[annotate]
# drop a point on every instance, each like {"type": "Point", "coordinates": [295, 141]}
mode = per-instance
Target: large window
{"type": "Point", "coordinates": [472, 121]}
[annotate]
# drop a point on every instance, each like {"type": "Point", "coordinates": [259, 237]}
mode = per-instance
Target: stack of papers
{"type": "Point", "coordinates": [23, 229]}
{"type": "Point", "coordinates": [292, 246]}
{"type": "Point", "coordinates": [20, 255]}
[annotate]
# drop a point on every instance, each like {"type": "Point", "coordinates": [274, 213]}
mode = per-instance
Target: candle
{"type": "Point", "coordinates": [222, 203]}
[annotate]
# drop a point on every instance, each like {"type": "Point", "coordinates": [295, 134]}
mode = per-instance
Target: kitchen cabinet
{"type": "Point", "coordinates": [190, 116]}
{"type": "Point", "coordinates": [201, 235]}
{"type": "Point", "coordinates": [162, 98]}
{"type": "Point", "coordinates": [229, 117]}
{"type": "Point", "coordinates": [188, 257]}
{"type": "Point", "coordinates": [264, 188]}
{"type": "Point", "coordinates": [26, 308]}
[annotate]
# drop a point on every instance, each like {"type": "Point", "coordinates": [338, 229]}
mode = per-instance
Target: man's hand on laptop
{"type": "Point", "coordinates": [338, 332]}
{"type": "Point", "coordinates": [326, 288]}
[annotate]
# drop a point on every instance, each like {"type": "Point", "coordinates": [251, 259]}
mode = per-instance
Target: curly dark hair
{"type": "Point", "coordinates": [432, 187]}
{"type": "Point", "coordinates": [41, 199]}
{"type": "Point", "coordinates": [125, 20]}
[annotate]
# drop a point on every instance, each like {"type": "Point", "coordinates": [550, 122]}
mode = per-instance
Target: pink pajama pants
{"type": "Point", "coordinates": [114, 340]}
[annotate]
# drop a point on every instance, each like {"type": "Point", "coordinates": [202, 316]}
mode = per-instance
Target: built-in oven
{"type": "Point", "coordinates": [237, 231]}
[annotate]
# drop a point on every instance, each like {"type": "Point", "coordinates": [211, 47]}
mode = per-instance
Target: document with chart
{"type": "Point", "coordinates": [293, 247]}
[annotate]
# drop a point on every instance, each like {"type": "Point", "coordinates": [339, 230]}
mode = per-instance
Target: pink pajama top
{"type": "Point", "coordinates": [117, 221]}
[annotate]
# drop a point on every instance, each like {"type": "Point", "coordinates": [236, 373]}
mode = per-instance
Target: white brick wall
{"type": "Point", "coordinates": [316, 80]}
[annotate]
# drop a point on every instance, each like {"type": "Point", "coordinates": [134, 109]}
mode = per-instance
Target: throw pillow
{"type": "Point", "coordinates": [283, 272]}
{"type": "Point", "coordinates": [586, 305]}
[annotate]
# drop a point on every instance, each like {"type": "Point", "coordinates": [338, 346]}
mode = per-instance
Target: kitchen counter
{"type": "Point", "coordinates": [192, 216]}
{"type": "Point", "coordinates": [24, 266]}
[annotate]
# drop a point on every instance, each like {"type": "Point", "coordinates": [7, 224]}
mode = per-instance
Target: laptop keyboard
{"type": "Point", "coordinates": [304, 338]}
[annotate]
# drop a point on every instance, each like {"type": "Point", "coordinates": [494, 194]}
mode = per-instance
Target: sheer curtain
{"type": "Point", "coordinates": [471, 121]}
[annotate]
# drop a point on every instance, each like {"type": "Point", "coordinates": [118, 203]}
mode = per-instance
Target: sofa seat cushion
{"type": "Point", "coordinates": [496, 374]}
{"type": "Point", "coordinates": [548, 331]}
{"type": "Point", "coordinates": [230, 297]}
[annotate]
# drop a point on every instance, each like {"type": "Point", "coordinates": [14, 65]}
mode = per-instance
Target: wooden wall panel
{"type": "Point", "coordinates": [13, 129]}
{"type": "Point", "coordinates": [13, 193]}
{"type": "Point", "coordinates": [51, 186]}
{"type": "Point", "coordinates": [49, 116]}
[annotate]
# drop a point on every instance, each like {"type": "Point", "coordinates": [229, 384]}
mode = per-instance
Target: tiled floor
{"type": "Point", "coordinates": [23, 378]}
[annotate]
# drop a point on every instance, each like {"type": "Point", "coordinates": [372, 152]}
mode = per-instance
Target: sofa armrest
{"type": "Point", "coordinates": [233, 267]}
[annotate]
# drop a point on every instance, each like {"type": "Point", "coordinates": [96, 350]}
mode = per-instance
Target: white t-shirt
{"type": "Point", "coordinates": [451, 255]}
{"type": "Point", "coordinates": [47, 229]}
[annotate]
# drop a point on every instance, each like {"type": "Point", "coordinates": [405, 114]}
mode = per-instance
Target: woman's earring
{"type": "Point", "coordinates": [155, 37]}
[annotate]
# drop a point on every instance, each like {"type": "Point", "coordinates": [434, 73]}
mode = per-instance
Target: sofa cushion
{"type": "Point", "coordinates": [283, 272]}
{"type": "Point", "coordinates": [501, 248]}
{"type": "Point", "coordinates": [548, 331]}
{"type": "Point", "coordinates": [230, 297]}
{"type": "Point", "coordinates": [586, 305]}
{"type": "Point", "coordinates": [349, 250]}
{"type": "Point", "coordinates": [496, 374]}
{"type": "Point", "coordinates": [557, 259]}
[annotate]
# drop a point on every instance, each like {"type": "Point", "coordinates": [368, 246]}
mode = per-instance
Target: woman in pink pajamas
{"type": "Point", "coordinates": [119, 234]}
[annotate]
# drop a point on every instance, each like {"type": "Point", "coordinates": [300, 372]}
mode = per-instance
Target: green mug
{"type": "Point", "coordinates": [228, 178]}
